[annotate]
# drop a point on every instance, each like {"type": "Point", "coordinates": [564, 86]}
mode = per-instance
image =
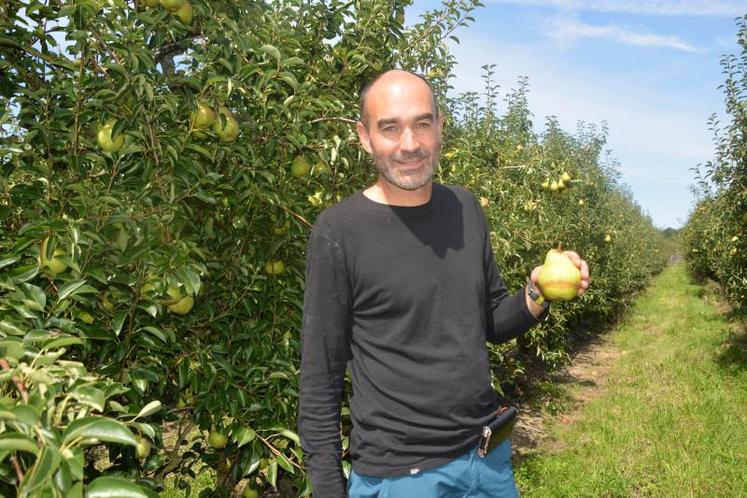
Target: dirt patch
{"type": "Point", "coordinates": [582, 380]}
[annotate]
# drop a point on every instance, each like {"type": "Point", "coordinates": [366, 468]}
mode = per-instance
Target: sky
{"type": "Point", "coordinates": [649, 68]}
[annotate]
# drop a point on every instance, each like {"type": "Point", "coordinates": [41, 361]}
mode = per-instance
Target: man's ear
{"type": "Point", "coordinates": [441, 122]}
{"type": "Point", "coordinates": [363, 136]}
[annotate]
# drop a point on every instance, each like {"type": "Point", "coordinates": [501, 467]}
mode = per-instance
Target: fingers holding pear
{"type": "Point", "coordinates": [574, 257]}
{"type": "Point", "coordinates": [534, 276]}
{"type": "Point", "coordinates": [583, 268]}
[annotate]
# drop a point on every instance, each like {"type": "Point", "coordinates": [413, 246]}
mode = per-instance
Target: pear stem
{"type": "Point", "coordinates": [560, 247]}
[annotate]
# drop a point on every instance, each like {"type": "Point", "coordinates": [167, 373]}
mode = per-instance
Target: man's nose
{"type": "Point", "coordinates": [408, 141]}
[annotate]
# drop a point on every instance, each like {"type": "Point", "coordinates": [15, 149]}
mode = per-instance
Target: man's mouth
{"type": "Point", "coordinates": [415, 161]}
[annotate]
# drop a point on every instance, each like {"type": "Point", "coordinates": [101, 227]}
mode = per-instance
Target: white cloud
{"type": "Point", "coordinates": [565, 30]}
{"type": "Point", "coordinates": [722, 8]}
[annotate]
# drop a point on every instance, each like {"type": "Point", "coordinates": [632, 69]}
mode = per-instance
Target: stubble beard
{"type": "Point", "coordinates": [408, 182]}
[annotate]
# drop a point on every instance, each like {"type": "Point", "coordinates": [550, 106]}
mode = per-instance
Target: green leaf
{"type": "Point", "coordinates": [10, 328]}
{"type": "Point", "coordinates": [23, 311]}
{"type": "Point", "coordinates": [191, 280]}
{"type": "Point", "coordinates": [244, 435]}
{"type": "Point", "coordinates": [101, 94]}
{"type": "Point", "coordinates": [290, 79]}
{"type": "Point", "coordinates": [64, 341]}
{"type": "Point", "coordinates": [35, 293]}
{"type": "Point", "coordinates": [91, 396]}
{"type": "Point", "coordinates": [272, 473]}
{"type": "Point", "coordinates": [67, 289]}
{"type": "Point", "coordinates": [118, 321]}
{"type": "Point", "coordinates": [146, 430]}
{"type": "Point", "coordinates": [286, 433]}
{"type": "Point", "coordinates": [75, 463]}
{"type": "Point", "coordinates": [5, 261]}
{"type": "Point", "coordinates": [116, 487]}
{"type": "Point", "coordinates": [75, 491]}
{"type": "Point", "coordinates": [6, 283]}
{"type": "Point", "coordinates": [101, 428]}
{"type": "Point", "coordinates": [15, 441]}
{"type": "Point", "coordinates": [156, 332]}
{"type": "Point", "coordinates": [285, 463]}
{"type": "Point", "coordinates": [4, 414]}
{"type": "Point", "coordinates": [292, 61]}
{"type": "Point", "coordinates": [149, 409]}
{"type": "Point", "coordinates": [271, 51]}
{"type": "Point", "coordinates": [201, 150]}
{"type": "Point", "coordinates": [11, 347]}
{"type": "Point", "coordinates": [27, 275]}
{"type": "Point", "coordinates": [206, 197]}
{"type": "Point", "coordinates": [42, 471]}
{"type": "Point", "coordinates": [26, 414]}
{"type": "Point", "coordinates": [62, 478]}
{"type": "Point", "coordinates": [251, 466]}
{"type": "Point", "coordinates": [114, 405]}
{"type": "Point", "coordinates": [116, 67]}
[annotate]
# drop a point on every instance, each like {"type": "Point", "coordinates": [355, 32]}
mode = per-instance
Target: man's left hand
{"type": "Point", "coordinates": [580, 264]}
{"type": "Point", "coordinates": [538, 309]}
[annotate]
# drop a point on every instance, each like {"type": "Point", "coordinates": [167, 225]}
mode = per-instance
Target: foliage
{"type": "Point", "coordinates": [714, 236]}
{"type": "Point", "coordinates": [172, 251]}
{"type": "Point", "coordinates": [52, 411]}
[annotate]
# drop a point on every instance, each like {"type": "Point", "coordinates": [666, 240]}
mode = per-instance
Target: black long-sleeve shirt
{"type": "Point", "coordinates": [405, 297]}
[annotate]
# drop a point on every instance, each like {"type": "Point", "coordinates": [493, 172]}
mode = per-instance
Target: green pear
{"type": "Point", "coordinates": [227, 128]}
{"type": "Point", "coordinates": [185, 12]}
{"type": "Point", "coordinates": [559, 279]}
{"type": "Point", "coordinates": [217, 439]}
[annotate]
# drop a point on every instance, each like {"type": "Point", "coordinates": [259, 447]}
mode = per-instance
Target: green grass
{"type": "Point", "coordinates": [671, 420]}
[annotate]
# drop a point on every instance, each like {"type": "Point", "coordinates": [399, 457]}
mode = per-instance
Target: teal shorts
{"type": "Point", "coordinates": [468, 476]}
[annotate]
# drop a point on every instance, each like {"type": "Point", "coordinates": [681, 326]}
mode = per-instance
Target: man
{"type": "Point", "coordinates": [402, 289]}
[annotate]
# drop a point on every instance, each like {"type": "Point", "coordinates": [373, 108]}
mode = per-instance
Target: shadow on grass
{"type": "Point", "coordinates": [732, 353]}
{"type": "Point", "coordinates": [732, 356]}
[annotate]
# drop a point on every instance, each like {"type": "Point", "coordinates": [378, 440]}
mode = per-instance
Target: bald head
{"type": "Point", "coordinates": [394, 82]}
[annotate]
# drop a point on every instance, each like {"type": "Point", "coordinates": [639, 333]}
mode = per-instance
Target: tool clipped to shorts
{"type": "Point", "coordinates": [496, 431]}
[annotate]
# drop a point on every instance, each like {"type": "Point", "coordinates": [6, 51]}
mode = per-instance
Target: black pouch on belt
{"type": "Point", "coordinates": [497, 430]}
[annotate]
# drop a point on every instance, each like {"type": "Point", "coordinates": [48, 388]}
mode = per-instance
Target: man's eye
{"type": "Point", "coordinates": [389, 129]}
{"type": "Point", "coordinates": [424, 124]}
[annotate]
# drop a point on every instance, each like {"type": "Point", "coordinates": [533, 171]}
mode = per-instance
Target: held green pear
{"type": "Point", "coordinates": [559, 279]}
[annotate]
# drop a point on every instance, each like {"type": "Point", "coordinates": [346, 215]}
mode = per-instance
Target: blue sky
{"type": "Point", "coordinates": [650, 69]}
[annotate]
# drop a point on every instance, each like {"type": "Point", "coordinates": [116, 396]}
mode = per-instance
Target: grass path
{"type": "Point", "coordinates": [670, 416]}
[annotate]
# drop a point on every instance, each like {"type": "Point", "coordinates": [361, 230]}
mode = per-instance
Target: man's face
{"type": "Point", "coordinates": [401, 130]}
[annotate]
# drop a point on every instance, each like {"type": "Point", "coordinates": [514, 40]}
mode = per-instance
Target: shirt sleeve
{"type": "Point", "coordinates": [506, 315]}
{"type": "Point", "coordinates": [325, 350]}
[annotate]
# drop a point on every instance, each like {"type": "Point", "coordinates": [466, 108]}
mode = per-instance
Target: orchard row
{"type": "Point", "coordinates": [715, 236]}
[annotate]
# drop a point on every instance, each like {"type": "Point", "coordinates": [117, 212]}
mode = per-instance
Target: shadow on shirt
{"type": "Point", "coordinates": [438, 224]}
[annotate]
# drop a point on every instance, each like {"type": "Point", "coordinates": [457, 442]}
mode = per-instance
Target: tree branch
{"type": "Point", "coordinates": [173, 48]}
{"type": "Point", "coordinates": [19, 384]}
{"type": "Point", "coordinates": [69, 65]}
